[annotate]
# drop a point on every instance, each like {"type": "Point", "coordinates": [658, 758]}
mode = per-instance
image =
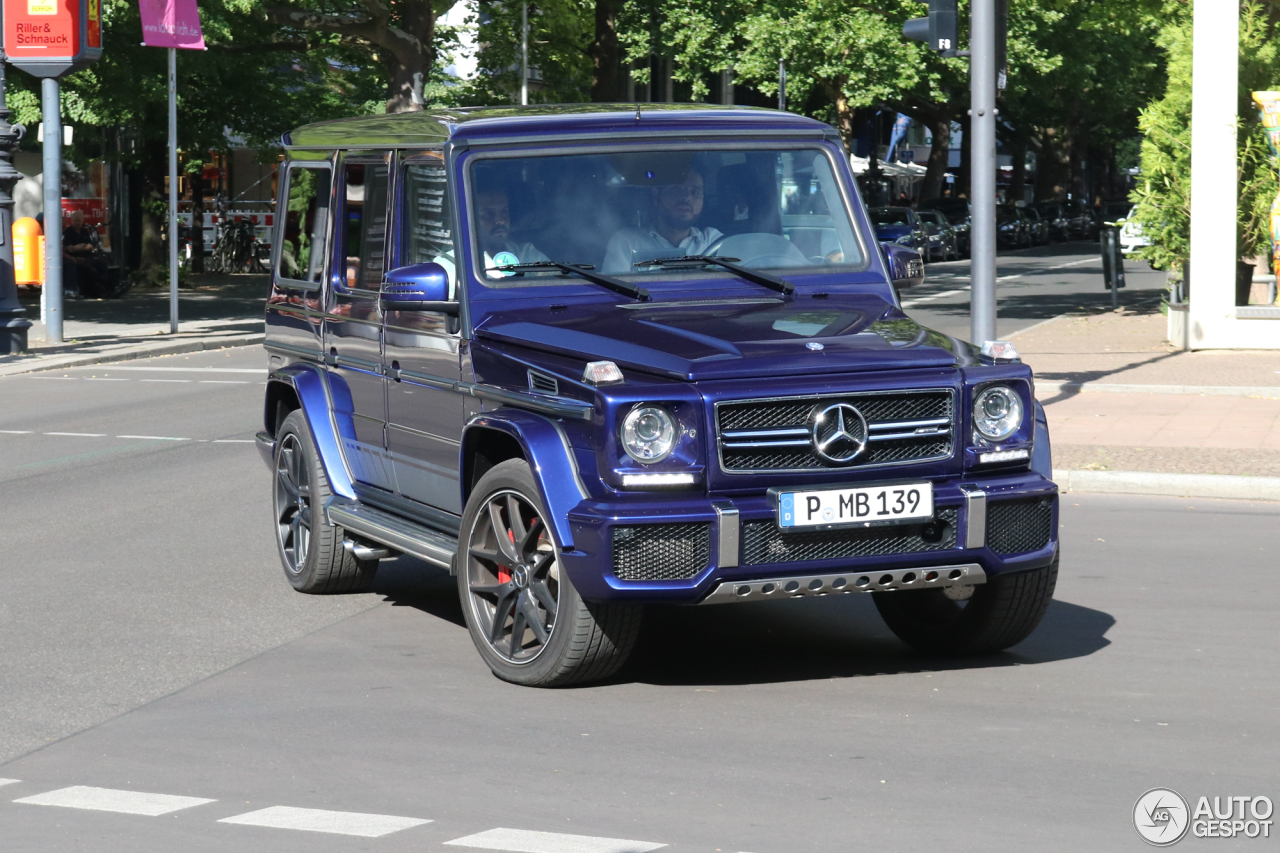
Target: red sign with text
{"type": "Point", "coordinates": [50, 38]}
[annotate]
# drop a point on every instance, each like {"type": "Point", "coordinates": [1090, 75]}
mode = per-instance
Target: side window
{"type": "Point", "coordinates": [306, 222]}
{"type": "Point", "coordinates": [426, 223]}
{"type": "Point", "coordinates": [364, 224]}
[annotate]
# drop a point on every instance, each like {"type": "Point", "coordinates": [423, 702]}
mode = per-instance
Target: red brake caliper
{"type": "Point", "coordinates": [504, 573]}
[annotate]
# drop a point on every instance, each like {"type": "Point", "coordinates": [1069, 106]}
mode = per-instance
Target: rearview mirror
{"type": "Point", "coordinates": [906, 268]}
{"type": "Point", "coordinates": [417, 287]}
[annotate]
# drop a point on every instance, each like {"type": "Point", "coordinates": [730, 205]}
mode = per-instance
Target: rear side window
{"type": "Point", "coordinates": [364, 223]}
{"type": "Point", "coordinates": [427, 222]}
{"type": "Point", "coordinates": [306, 224]}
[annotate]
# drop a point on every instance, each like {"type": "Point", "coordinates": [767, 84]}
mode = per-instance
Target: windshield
{"type": "Point", "coordinates": [890, 216]}
{"type": "Point", "coordinates": [613, 212]}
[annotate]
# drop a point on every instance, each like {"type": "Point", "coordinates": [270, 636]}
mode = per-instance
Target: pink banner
{"type": "Point", "coordinates": [171, 23]}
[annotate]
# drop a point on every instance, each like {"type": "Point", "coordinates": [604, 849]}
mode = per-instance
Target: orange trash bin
{"type": "Point", "coordinates": [28, 252]}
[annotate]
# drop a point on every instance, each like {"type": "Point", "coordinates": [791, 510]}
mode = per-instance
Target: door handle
{"type": "Point", "coordinates": [331, 358]}
{"type": "Point", "coordinates": [394, 371]}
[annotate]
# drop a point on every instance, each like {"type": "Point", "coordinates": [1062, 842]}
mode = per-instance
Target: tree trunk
{"type": "Point", "coordinates": [938, 153]}
{"type": "Point", "coordinates": [1049, 167]}
{"type": "Point", "coordinates": [606, 85]}
{"type": "Point", "coordinates": [410, 71]}
{"type": "Point", "coordinates": [1018, 182]}
{"type": "Point", "coordinates": [844, 113]}
{"type": "Point", "coordinates": [154, 211]}
{"type": "Point", "coordinates": [197, 220]}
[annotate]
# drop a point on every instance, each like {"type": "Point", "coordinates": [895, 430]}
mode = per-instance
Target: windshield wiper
{"type": "Point", "coordinates": [617, 285]}
{"type": "Point", "coordinates": [778, 284]}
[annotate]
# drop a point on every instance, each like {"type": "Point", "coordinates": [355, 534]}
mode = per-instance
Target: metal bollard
{"type": "Point", "coordinates": [1112, 261]}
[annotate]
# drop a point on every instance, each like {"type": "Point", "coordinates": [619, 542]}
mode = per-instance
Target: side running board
{"type": "Point", "coordinates": [393, 531]}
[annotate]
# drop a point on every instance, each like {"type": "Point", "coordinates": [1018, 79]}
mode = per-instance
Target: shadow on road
{"type": "Point", "coordinates": [824, 638]}
{"type": "Point", "coordinates": [408, 582]}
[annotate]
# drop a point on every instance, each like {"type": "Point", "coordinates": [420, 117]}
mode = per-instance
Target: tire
{"type": "Point", "coordinates": [1001, 613]}
{"type": "Point", "coordinates": [310, 548]}
{"type": "Point", "coordinates": [509, 579]}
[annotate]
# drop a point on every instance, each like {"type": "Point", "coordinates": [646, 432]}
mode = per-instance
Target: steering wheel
{"type": "Point", "coordinates": [759, 249]}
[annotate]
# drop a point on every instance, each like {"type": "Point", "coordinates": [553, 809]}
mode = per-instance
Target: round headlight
{"type": "Point", "coordinates": [648, 433]}
{"type": "Point", "coordinates": [997, 413]}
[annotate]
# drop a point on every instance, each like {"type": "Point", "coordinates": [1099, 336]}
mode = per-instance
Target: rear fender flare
{"type": "Point", "coordinates": [547, 450]}
{"type": "Point", "coordinates": [317, 393]}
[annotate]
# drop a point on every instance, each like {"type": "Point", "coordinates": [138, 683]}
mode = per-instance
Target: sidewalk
{"type": "Point", "coordinates": [219, 311]}
{"type": "Point", "coordinates": [1127, 411]}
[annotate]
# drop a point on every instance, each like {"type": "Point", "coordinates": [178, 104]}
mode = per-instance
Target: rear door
{"type": "Point", "coordinates": [353, 321]}
{"type": "Point", "coordinates": [422, 354]}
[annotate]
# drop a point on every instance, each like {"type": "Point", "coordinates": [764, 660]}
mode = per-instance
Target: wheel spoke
{"type": "Point", "coordinates": [542, 563]}
{"type": "Point", "coordinates": [531, 615]}
{"type": "Point", "coordinates": [517, 630]}
{"type": "Point", "coordinates": [500, 612]}
{"type": "Point", "coordinates": [513, 517]}
{"type": "Point", "coordinates": [530, 539]}
{"type": "Point", "coordinates": [486, 554]}
{"type": "Point", "coordinates": [542, 592]}
{"type": "Point", "coordinates": [498, 589]}
{"type": "Point", "coordinates": [304, 515]}
{"type": "Point", "coordinates": [287, 484]}
{"type": "Point", "coordinates": [501, 534]}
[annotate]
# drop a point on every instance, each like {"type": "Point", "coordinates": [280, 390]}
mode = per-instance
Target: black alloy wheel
{"type": "Point", "coordinates": [293, 504]}
{"type": "Point", "coordinates": [513, 578]}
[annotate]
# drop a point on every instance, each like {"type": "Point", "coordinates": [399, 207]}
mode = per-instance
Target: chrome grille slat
{"type": "Point", "coordinates": [904, 427]}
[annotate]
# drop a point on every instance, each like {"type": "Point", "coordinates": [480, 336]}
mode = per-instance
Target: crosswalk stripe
{"type": "Point", "coordinates": [321, 820]}
{"type": "Point", "coordinates": [524, 841]}
{"type": "Point", "coordinates": [9, 781]}
{"type": "Point", "coordinates": [110, 800]}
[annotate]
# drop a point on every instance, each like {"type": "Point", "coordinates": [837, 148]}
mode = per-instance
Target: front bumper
{"type": "Point", "coordinates": [742, 547]}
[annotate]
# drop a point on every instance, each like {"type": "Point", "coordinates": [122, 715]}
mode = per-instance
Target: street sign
{"type": "Point", "coordinates": [52, 38]}
{"type": "Point", "coordinates": [939, 30]}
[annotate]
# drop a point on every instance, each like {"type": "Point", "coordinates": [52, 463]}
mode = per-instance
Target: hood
{"type": "Point", "coordinates": [732, 338]}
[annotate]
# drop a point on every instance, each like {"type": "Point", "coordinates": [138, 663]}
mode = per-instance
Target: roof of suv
{"type": "Point", "coordinates": [508, 123]}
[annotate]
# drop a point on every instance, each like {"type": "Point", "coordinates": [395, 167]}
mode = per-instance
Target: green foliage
{"type": "Point", "coordinates": [1164, 194]}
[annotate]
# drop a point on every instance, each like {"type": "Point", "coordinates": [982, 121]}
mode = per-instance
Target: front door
{"type": "Point", "coordinates": [353, 321]}
{"type": "Point", "coordinates": [424, 414]}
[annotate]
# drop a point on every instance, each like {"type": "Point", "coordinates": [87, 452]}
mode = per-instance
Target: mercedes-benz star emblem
{"type": "Point", "coordinates": [838, 433]}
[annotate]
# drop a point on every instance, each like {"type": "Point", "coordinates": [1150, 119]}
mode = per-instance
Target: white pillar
{"type": "Point", "coordinates": [1214, 185]}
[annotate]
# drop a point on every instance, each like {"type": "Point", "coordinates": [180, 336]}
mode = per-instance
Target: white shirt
{"type": "Point", "coordinates": [629, 245]}
{"type": "Point", "coordinates": [525, 253]}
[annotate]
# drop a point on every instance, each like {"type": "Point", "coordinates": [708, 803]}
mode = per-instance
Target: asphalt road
{"type": "Point", "coordinates": [150, 645]}
{"type": "Point", "coordinates": [1032, 285]}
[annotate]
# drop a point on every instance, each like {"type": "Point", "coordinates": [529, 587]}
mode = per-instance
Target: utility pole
{"type": "Point", "coordinates": [173, 192]}
{"type": "Point", "coordinates": [51, 296]}
{"type": "Point", "coordinates": [782, 84]}
{"type": "Point", "coordinates": [524, 54]}
{"type": "Point", "coordinates": [13, 325]}
{"type": "Point", "coordinates": [982, 126]}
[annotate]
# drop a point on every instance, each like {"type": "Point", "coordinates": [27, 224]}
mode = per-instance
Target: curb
{"type": "Point", "coordinates": [146, 350]}
{"type": "Point", "coordinates": [1171, 485]}
{"type": "Point", "coordinates": [1051, 386]}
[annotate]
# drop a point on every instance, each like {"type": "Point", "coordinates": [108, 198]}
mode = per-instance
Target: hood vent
{"type": "Point", "coordinates": [543, 384]}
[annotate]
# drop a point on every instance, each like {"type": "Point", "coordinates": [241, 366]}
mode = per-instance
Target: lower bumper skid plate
{"type": "Point", "coordinates": [768, 589]}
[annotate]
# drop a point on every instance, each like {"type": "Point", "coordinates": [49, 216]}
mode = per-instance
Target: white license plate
{"type": "Point", "coordinates": [865, 505]}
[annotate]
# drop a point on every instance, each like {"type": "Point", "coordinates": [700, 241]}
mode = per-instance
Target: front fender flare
{"type": "Point", "coordinates": [311, 387]}
{"type": "Point", "coordinates": [1041, 452]}
{"type": "Point", "coordinates": [547, 450]}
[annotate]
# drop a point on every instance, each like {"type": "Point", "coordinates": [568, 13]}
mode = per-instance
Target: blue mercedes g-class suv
{"type": "Point", "coordinates": [590, 358]}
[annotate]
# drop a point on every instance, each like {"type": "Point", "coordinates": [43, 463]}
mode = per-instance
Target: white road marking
{"type": "Point", "coordinates": [164, 380]}
{"type": "Point", "coordinates": [321, 820]}
{"type": "Point", "coordinates": [155, 437]}
{"type": "Point", "coordinates": [224, 382]}
{"type": "Point", "coordinates": [16, 431]}
{"type": "Point", "coordinates": [78, 434]}
{"type": "Point", "coordinates": [9, 781]}
{"type": "Point", "coordinates": [524, 841]}
{"type": "Point", "coordinates": [106, 379]}
{"type": "Point", "coordinates": [942, 295]}
{"type": "Point", "coordinates": [232, 440]}
{"type": "Point", "coordinates": [113, 367]}
{"type": "Point", "coordinates": [109, 800]}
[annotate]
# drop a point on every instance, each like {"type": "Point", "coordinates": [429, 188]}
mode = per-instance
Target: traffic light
{"type": "Point", "coordinates": [938, 30]}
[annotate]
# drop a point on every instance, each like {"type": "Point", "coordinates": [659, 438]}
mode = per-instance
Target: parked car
{"type": "Point", "coordinates": [901, 225]}
{"type": "Point", "coordinates": [1013, 230]}
{"type": "Point", "coordinates": [943, 242]}
{"type": "Point", "coordinates": [1041, 233]}
{"type": "Point", "coordinates": [957, 212]}
{"type": "Point", "coordinates": [1053, 213]}
{"type": "Point", "coordinates": [1081, 219]}
{"type": "Point", "coordinates": [581, 359]}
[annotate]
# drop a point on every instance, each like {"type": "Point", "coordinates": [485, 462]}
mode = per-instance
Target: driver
{"type": "Point", "coordinates": [678, 206]}
{"type": "Point", "coordinates": [493, 226]}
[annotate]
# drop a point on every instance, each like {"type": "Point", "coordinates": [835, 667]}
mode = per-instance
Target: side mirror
{"type": "Point", "coordinates": [906, 269]}
{"type": "Point", "coordinates": [417, 287]}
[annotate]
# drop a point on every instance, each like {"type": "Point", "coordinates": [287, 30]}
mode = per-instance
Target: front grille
{"type": "Point", "coordinates": [774, 435]}
{"type": "Point", "coordinates": [661, 552]}
{"type": "Point", "coordinates": [763, 542]}
{"type": "Point", "coordinates": [1015, 527]}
